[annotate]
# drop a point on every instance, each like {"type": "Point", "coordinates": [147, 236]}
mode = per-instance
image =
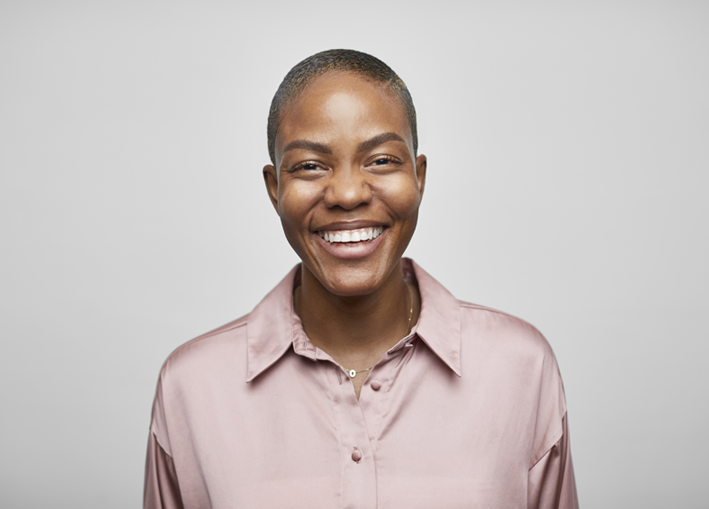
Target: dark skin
{"type": "Point", "coordinates": [345, 163]}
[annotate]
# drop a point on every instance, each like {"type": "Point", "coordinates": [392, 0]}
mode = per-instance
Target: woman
{"type": "Point", "coordinates": [359, 381]}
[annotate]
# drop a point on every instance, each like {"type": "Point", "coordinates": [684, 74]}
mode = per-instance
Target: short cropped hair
{"type": "Point", "coordinates": [344, 60]}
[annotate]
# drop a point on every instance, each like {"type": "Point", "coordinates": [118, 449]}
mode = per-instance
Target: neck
{"type": "Point", "coordinates": [356, 331]}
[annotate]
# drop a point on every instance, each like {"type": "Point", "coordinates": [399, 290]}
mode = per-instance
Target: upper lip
{"type": "Point", "coordinates": [349, 225]}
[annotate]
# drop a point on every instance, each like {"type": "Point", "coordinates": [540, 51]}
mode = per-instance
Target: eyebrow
{"type": "Point", "coordinates": [362, 147]}
{"type": "Point", "coordinates": [378, 140]}
{"type": "Point", "coordinates": [308, 145]}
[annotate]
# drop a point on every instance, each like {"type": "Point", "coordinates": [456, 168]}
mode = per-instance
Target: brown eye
{"type": "Point", "coordinates": [306, 166]}
{"type": "Point", "coordinates": [383, 160]}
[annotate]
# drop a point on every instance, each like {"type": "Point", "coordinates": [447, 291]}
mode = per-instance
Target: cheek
{"type": "Point", "coordinates": [295, 201]}
{"type": "Point", "coordinates": [402, 197]}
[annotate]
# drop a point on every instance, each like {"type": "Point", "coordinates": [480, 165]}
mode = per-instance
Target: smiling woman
{"type": "Point", "coordinates": [359, 381]}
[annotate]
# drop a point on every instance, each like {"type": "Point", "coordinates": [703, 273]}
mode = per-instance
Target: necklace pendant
{"type": "Point", "coordinates": [353, 373]}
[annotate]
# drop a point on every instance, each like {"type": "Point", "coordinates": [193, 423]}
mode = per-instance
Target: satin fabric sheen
{"type": "Point", "coordinates": [468, 411]}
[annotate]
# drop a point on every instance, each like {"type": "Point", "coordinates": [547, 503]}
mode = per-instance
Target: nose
{"type": "Point", "coordinates": [348, 188]}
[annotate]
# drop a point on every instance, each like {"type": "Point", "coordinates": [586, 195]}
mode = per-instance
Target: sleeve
{"type": "Point", "coordinates": [162, 491]}
{"type": "Point", "coordinates": [551, 483]}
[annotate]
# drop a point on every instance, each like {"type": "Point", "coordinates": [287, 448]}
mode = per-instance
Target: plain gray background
{"type": "Point", "coordinates": [568, 183]}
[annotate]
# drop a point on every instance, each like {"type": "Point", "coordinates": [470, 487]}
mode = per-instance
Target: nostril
{"type": "Point", "coordinates": [347, 196]}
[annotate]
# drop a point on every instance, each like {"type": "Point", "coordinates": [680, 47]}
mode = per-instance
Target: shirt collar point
{"type": "Point", "coordinates": [457, 371]}
{"type": "Point", "coordinates": [269, 331]}
{"type": "Point", "coordinates": [440, 322]}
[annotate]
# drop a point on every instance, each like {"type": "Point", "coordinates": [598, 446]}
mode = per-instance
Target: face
{"type": "Point", "coordinates": [346, 185]}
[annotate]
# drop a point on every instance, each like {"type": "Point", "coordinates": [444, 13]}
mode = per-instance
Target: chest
{"type": "Point", "coordinates": [419, 436]}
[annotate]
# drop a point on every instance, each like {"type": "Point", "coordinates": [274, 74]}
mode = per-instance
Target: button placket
{"type": "Point", "coordinates": [359, 480]}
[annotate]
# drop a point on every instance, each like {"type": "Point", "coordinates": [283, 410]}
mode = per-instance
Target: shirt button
{"type": "Point", "coordinates": [376, 385]}
{"type": "Point", "coordinates": [356, 455]}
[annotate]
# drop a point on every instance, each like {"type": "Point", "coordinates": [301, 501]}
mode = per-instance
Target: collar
{"type": "Point", "coordinates": [273, 326]}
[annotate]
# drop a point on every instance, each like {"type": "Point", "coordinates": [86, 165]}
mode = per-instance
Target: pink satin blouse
{"type": "Point", "coordinates": [467, 411]}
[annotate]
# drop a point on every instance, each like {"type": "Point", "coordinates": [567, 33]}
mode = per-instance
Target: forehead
{"type": "Point", "coordinates": [342, 102]}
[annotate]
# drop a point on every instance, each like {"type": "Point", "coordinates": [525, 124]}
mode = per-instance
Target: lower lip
{"type": "Point", "coordinates": [351, 251]}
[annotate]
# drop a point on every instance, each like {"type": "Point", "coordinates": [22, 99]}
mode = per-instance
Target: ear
{"type": "Point", "coordinates": [421, 163]}
{"type": "Point", "coordinates": [270, 177]}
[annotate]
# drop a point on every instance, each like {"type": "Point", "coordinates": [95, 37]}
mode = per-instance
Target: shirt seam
{"type": "Point", "coordinates": [547, 451]}
{"type": "Point", "coordinates": [208, 335]}
{"type": "Point", "coordinates": [157, 439]}
{"type": "Point", "coordinates": [469, 305]}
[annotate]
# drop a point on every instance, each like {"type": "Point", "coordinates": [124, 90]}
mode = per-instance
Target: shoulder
{"type": "Point", "coordinates": [191, 372]}
{"type": "Point", "coordinates": [205, 354]}
{"type": "Point", "coordinates": [478, 334]}
{"type": "Point", "coordinates": [511, 355]}
{"type": "Point", "coordinates": [224, 354]}
{"type": "Point", "coordinates": [502, 331]}
{"type": "Point", "coordinates": [512, 351]}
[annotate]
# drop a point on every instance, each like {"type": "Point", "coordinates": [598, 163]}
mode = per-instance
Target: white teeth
{"type": "Point", "coordinates": [352, 236]}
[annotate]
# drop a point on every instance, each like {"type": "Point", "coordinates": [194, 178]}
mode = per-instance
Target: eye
{"type": "Point", "coordinates": [383, 160]}
{"type": "Point", "coordinates": [306, 166]}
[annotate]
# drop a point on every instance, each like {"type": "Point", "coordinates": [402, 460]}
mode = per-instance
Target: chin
{"type": "Point", "coordinates": [353, 281]}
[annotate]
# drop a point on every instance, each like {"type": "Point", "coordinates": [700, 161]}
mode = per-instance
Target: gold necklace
{"type": "Point", "coordinates": [353, 372]}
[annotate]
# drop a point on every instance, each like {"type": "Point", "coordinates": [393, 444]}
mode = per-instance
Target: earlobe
{"type": "Point", "coordinates": [270, 177]}
{"type": "Point", "coordinates": [421, 163]}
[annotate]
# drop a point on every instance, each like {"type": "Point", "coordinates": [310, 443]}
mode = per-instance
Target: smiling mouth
{"type": "Point", "coordinates": [351, 236]}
